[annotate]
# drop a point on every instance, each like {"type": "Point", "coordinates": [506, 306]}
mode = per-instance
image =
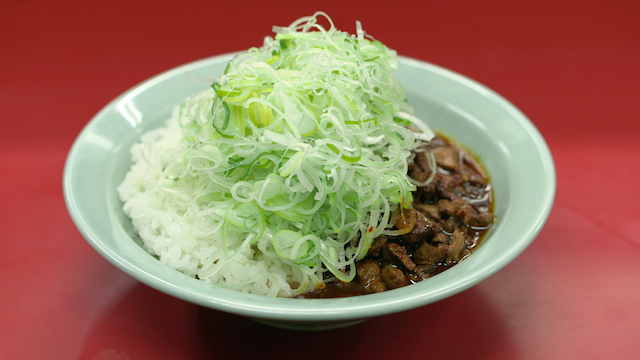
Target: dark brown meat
{"type": "Point", "coordinates": [430, 254]}
{"type": "Point", "coordinates": [405, 219]}
{"type": "Point", "coordinates": [449, 186]}
{"type": "Point", "coordinates": [399, 253]}
{"type": "Point", "coordinates": [426, 194]}
{"type": "Point", "coordinates": [448, 218]}
{"type": "Point", "coordinates": [368, 272]}
{"type": "Point", "coordinates": [424, 229]}
{"type": "Point", "coordinates": [422, 161]}
{"type": "Point", "coordinates": [441, 238]}
{"type": "Point", "coordinates": [465, 212]}
{"type": "Point", "coordinates": [394, 278]}
{"type": "Point", "coordinates": [423, 272]}
{"type": "Point", "coordinates": [482, 220]}
{"type": "Point", "coordinates": [377, 244]}
{"type": "Point", "coordinates": [458, 246]}
{"type": "Point", "coordinates": [472, 178]}
{"type": "Point", "coordinates": [428, 209]}
{"type": "Point", "coordinates": [446, 207]}
{"type": "Point", "coordinates": [417, 173]}
{"type": "Point", "coordinates": [447, 157]}
{"type": "Point", "coordinates": [450, 224]}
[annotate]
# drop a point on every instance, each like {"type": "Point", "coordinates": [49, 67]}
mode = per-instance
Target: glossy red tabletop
{"type": "Point", "coordinates": [572, 66]}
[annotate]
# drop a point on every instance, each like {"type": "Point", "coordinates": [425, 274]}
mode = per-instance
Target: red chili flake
{"type": "Point", "coordinates": [371, 229]}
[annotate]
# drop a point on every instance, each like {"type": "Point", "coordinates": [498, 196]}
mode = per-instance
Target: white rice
{"type": "Point", "coordinates": [184, 235]}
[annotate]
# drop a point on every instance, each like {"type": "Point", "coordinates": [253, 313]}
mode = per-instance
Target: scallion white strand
{"type": "Point", "coordinates": [295, 160]}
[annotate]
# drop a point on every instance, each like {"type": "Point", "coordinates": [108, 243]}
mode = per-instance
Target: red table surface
{"type": "Point", "coordinates": [572, 66]}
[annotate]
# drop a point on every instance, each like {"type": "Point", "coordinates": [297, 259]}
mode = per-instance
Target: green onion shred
{"type": "Point", "coordinates": [301, 148]}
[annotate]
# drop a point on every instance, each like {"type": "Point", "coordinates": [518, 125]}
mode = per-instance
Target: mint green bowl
{"type": "Point", "coordinates": [508, 144]}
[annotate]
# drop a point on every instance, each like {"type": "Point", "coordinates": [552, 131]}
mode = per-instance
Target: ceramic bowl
{"type": "Point", "coordinates": [507, 143]}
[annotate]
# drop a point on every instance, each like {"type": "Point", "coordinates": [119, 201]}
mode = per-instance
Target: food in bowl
{"type": "Point", "coordinates": [450, 214]}
{"type": "Point", "coordinates": [292, 168]}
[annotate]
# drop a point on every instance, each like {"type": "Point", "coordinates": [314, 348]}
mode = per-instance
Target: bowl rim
{"type": "Point", "coordinates": [314, 310]}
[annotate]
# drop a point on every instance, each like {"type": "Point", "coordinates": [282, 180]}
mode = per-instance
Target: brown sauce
{"type": "Point", "coordinates": [449, 218]}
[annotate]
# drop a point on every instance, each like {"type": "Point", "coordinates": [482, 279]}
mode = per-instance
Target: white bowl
{"type": "Point", "coordinates": [512, 150]}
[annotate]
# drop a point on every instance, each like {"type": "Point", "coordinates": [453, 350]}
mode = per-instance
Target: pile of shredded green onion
{"type": "Point", "coordinates": [301, 149]}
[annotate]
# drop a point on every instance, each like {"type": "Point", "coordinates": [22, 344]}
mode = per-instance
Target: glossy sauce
{"type": "Point", "coordinates": [465, 184]}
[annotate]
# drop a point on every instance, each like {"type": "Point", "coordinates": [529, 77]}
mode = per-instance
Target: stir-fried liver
{"type": "Point", "coordinates": [447, 221]}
